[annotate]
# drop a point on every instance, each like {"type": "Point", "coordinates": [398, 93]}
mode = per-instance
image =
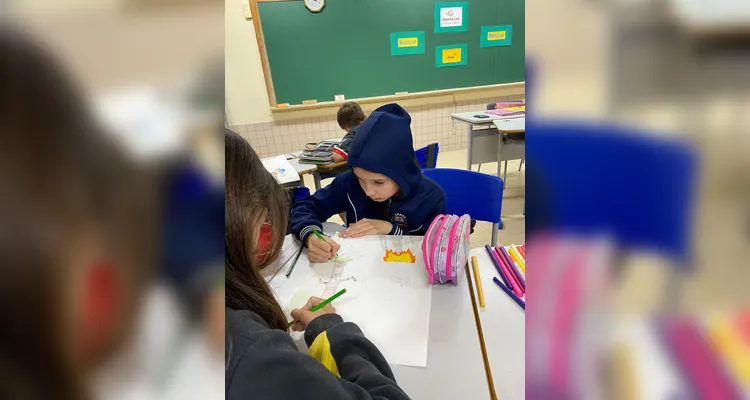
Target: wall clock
{"type": "Point", "coordinates": [315, 5]}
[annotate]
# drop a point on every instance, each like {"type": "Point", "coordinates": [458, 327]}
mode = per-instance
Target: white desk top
{"type": "Point", "coordinates": [510, 124]}
{"type": "Point", "coordinates": [302, 168]}
{"type": "Point", "coordinates": [470, 117]}
{"type": "Point", "coordinates": [455, 368]}
{"type": "Point", "coordinates": [504, 328]}
{"type": "Point", "coordinates": [711, 16]}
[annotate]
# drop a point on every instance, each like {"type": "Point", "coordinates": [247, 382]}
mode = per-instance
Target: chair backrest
{"type": "Point", "coordinates": [426, 157]}
{"type": "Point", "coordinates": [468, 192]}
{"type": "Point", "coordinates": [607, 179]}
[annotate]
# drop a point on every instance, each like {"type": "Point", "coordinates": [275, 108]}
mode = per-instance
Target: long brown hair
{"type": "Point", "coordinates": [63, 180]}
{"type": "Point", "coordinates": [251, 193]}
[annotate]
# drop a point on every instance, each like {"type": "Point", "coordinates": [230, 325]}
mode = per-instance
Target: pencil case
{"type": "Point", "coordinates": [445, 248]}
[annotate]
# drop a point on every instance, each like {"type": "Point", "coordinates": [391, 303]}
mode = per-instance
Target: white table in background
{"type": "Point", "coordinates": [455, 369]}
{"type": "Point", "coordinates": [302, 169]}
{"type": "Point", "coordinates": [484, 142]}
{"type": "Point", "coordinates": [504, 329]}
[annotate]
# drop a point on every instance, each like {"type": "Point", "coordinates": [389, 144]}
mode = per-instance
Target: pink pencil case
{"type": "Point", "coordinates": [445, 248]}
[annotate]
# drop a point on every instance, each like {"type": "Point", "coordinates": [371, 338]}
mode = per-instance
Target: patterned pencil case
{"type": "Point", "coordinates": [445, 248]}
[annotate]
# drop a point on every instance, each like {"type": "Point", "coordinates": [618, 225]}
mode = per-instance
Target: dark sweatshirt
{"type": "Point", "coordinates": [264, 363]}
{"type": "Point", "coordinates": [342, 148]}
{"type": "Point", "coordinates": [383, 144]}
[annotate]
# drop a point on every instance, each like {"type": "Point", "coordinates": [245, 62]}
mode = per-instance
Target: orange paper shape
{"type": "Point", "coordinates": [402, 257]}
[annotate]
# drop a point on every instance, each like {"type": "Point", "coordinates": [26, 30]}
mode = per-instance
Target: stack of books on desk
{"type": "Point", "coordinates": [509, 108]}
{"type": "Point", "coordinates": [318, 153]}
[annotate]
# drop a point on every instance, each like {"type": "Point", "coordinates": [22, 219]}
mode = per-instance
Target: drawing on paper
{"type": "Point", "coordinates": [327, 281]}
{"type": "Point", "coordinates": [402, 257]}
{"type": "Point", "coordinates": [340, 259]}
{"type": "Point", "coordinates": [402, 281]}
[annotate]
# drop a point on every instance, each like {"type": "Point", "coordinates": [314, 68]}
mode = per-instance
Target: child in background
{"type": "Point", "coordinates": [262, 361]}
{"type": "Point", "coordinates": [349, 117]}
{"type": "Point", "coordinates": [385, 193]}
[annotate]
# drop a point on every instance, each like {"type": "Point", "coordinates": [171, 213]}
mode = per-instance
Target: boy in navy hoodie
{"type": "Point", "coordinates": [384, 193]}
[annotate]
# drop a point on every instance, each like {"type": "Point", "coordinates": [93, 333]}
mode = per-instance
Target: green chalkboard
{"type": "Point", "coordinates": [345, 49]}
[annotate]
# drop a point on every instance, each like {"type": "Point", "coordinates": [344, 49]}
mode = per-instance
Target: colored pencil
{"type": "Point", "coordinates": [516, 272]}
{"type": "Point", "coordinates": [509, 262]}
{"type": "Point", "coordinates": [518, 253]}
{"type": "Point", "coordinates": [324, 303]}
{"type": "Point", "coordinates": [516, 258]}
{"type": "Point", "coordinates": [512, 279]}
{"type": "Point", "coordinates": [509, 270]}
{"type": "Point", "coordinates": [509, 293]}
{"type": "Point", "coordinates": [497, 263]}
{"type": "Point", "coordinates": [478, 281]}
{"type": "Point", "coordinates": [295, 261]}
{"type": "Point", "coordinates": [522, 250]}
{"type": "Point", "coordinates": [482, 345]}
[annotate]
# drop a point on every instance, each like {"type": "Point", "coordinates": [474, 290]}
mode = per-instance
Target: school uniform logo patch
{"type": "Point", "coordinates": [400, 220]}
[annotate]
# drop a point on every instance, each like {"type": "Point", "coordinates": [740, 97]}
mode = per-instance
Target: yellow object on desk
{"type": "Point", "coordinates": [478, 281]}
{"type": "Point", "coordinates": [517, 258]}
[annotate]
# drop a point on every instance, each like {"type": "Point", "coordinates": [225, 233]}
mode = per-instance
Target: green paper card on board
{"type": "Point", "coordinates": [452, 17]}
{"type": "Point", "coordinates": [496, 35]}
{"type": "Point", "coordinates": [406, 43]}
{"type": "Point", "coordinates": [451, 55]}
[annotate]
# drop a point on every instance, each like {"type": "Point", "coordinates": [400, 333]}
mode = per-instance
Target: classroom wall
{"type": "Point", "coordinates": [430, 123]}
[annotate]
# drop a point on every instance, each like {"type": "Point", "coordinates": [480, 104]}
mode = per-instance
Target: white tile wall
{"type": "Point", "coordinates": [430, 123]}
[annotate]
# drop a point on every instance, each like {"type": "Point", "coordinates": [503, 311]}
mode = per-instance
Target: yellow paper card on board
{"type": "Point", "coordinates": [496, 35]}
{"type": "Point", "coordinates": [451, 56]}
{"type": "Point", "coordinates": [408, 42]}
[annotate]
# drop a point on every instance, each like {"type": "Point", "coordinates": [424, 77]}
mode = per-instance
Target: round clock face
{"type": "Point", "coordinates": [315, 5]}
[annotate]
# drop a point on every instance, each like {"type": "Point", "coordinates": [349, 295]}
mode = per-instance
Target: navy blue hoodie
{"type": "Point", "coordinates": [383, 145]}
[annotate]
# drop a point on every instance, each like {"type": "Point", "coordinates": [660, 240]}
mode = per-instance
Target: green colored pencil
{"type": "Point", "coordinates": [318, 235]}
{"type": "Point", "coordinates": [324, 303]}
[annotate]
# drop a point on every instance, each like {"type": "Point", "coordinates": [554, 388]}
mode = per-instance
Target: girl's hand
{"type": "Point", "coordinates": [303, 316]}
{"type": "Point", "coordinates": [367, 227]}
{"type": "Point", "coordinates": [320, 251]}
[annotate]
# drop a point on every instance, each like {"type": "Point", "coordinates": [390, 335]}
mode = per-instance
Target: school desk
{"type": "Point", "coordinates": [455, 369]}
{"type": "Point", "coordinates": [323, 168]}
{"type": "Point", "coordinates": [303, 169]}
{"type": "Point", "coordinates": [504, 328]}
{"type": "Point", "coordinates": [711, 17]}
{"type": "Point", "coordinates": [510, 128]}
{"type": "Point", "coordinates": [484, 142]}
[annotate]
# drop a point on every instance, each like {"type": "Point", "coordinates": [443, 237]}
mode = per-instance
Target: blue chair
{"type": "Point", "coordinates": [474, 193]}
{"type": "Point", "coordinates": [426, 157]}
{"type": "Point", "coordinates": [607, 179]}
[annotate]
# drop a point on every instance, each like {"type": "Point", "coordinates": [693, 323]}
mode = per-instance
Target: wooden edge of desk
{"type": "Point", "coordinates": [331, 166]}
{"type": "Point", "coordinates": [512, 130]}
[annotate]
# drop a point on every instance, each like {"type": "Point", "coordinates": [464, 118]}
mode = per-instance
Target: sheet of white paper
{"type": "Point", "coordinates": [389, 301]}
{"type": "Point", "coordinates": [281, 169]}
{"type": "Point", "coordinates": [288, 251]}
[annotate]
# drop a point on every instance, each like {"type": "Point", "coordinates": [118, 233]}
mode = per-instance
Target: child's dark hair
{"type": "Point", "coordinates": [350, 114]}
{"type": "Point", "coordinates": [63, 181]}
{"type": "Point", "coordinates": [252, 193]}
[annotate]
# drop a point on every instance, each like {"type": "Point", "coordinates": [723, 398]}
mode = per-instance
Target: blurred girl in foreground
{"type": "Point", "coordinates": [76, 232]}
{"type": "Point", "coordinates": [262, 361]}
{"type": "Point", "coordinates": [81, 313]}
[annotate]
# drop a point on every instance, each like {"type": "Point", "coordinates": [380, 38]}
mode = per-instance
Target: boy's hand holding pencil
{"type": "Point", "coordinates": [321, 248]}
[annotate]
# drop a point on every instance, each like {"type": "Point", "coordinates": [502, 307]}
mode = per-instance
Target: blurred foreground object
{"type": "Point", "coordinates": [89, 308]}
{"type": "Point", "coordinates": [598, 192]}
